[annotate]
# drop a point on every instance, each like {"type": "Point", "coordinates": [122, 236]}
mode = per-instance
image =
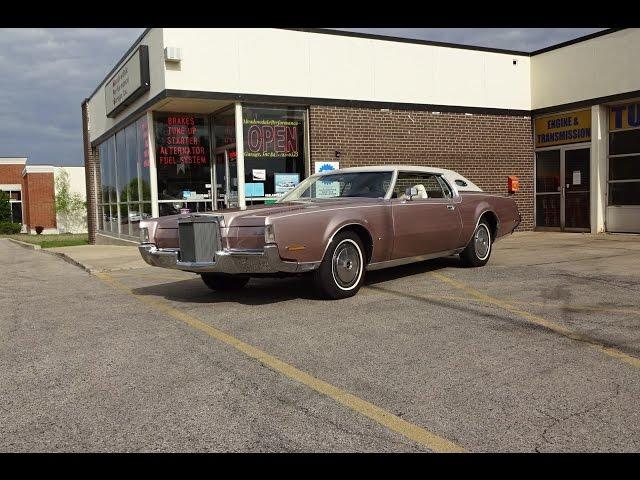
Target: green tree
{"type": "Point", "coordinates": [5, 207]}
{"type": "Point", "coordinates": [70, 207]}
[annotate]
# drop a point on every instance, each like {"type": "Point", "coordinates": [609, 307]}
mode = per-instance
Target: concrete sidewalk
{"type": "Point", "coordinates": [101, 258]}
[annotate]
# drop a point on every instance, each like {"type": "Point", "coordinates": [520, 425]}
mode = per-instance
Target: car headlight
{"type": "Point", "coordinates": [144, 235]}
{"type": "Point", "coordinates": [269, 234]}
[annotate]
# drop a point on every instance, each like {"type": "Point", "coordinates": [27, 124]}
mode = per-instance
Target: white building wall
{"type": "Point", "coordinates": [305, 64]}
{"type": "Point", "coordinates": [77, 184]}
{"type": "Point", "coordinates": [599, 67]}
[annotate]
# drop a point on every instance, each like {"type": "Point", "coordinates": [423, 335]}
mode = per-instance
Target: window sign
{"type": "Point", "coordinates": [273, 142]}
{"type": "Point", "coordinates": [327, 189]}
{"type": "Point", "coordinates": [326, 166]}
{"type": "Point", "coordinates": [182, 155]}
{"type": "Point", "coordinates": [284, 182]}
{"type": "Point", "coordinates": [254, 189]}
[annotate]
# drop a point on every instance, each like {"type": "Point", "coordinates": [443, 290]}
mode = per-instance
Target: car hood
{"type": "Point", "coordinates": [256, 215]}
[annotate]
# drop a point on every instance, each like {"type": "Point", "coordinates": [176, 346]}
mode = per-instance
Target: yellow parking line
{"type": "Point", "coordinates": [537, 320]}
{"type": "Point", "coordinates": [383, 417]}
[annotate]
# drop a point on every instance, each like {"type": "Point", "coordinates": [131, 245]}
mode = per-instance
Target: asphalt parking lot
{"type": "Point", "coordinates": [539, 351]}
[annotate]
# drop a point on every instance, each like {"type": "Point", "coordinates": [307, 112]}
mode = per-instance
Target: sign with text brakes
{"type": "Point", "coordinates": [128, 83]}
{"type": "Point", "coordinates": [563, 128]}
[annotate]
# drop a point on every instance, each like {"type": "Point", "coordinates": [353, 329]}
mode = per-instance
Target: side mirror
{"type": "Point", "coordinates": [411, 192]}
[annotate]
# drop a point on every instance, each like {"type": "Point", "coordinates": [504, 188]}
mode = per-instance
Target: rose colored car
{"type": "Point", "coordinates": [334, 226]}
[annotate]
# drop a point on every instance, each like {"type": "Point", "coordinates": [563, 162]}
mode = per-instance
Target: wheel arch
{"type": "Point", "coordinates": [492, 219]}
{"type": "Point", "coordinates": [363, 233]}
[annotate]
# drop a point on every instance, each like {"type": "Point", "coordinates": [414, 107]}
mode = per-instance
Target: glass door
{"type": "Point", "coordinates": [226, 178]}
{"type": "Point", "coordinates": [548, 191]}
{"type": "Point", "coordinates": [563, 189]}
{"type": "Point", "coordinates": [576, 186]}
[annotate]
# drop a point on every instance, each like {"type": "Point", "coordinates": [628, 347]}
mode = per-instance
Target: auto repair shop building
{"type": "Point", "coordinates": [194, 120]}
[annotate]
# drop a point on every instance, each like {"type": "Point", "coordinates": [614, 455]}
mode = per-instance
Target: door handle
{"type": "Point", "coordinates": [451, 207]}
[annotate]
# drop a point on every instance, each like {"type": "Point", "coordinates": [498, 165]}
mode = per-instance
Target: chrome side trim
{"type": "Point", "coordinates": [403, 261]}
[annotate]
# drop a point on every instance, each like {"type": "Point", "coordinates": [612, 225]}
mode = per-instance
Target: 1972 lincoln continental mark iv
{"type": "Point", "coordinates": [335, 225]}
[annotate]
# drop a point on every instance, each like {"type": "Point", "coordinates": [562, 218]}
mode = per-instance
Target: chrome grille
{"type": "Point", "coordinates": [199, 237]}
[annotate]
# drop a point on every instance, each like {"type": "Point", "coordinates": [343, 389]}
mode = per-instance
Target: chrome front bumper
{"type": "Point", "coordinates": [226, 261]}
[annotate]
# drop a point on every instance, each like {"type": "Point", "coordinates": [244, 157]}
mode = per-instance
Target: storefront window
{"type": "Point", "coordinates": [273, 144]}
{"type": "Point", "coordinates": [182, 159]}
{"type": "Point", "coordinates": [624, 155]}
{"type": "Point", "coordinates": [224, 128]}
{"type": "Point", "coordinates": [126, 180]}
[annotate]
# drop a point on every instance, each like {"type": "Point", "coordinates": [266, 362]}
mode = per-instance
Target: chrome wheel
{"type": "Point", "coordinates": [346, 264]}
{"type": "Point", "coordinates": [482, 242]}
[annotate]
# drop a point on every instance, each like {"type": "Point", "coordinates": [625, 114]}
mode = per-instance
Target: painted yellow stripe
{"type": "Point", "coordinates": [537, 320]}
{"type": "Point", "coordinates": [375, 413]}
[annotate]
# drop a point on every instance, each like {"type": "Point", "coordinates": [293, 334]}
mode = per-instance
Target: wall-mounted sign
{"type": "Point", "coordinates": [128, 83]}
{"type": "Point", "coordinates": [563, 128]}
{"type": "Point", "coordinates": [326, 166]}
{"type": "Point", "coordinates": [624, 116]}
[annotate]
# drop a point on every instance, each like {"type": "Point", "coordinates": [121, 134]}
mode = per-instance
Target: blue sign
{"type": "Point", "coordinates": [254, 189]}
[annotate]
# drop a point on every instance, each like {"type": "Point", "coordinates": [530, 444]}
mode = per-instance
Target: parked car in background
{"type": "Point", "coordinates": [334, 226]}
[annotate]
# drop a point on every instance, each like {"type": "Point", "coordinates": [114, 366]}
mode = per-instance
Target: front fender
{"type": "Point", "coordinates": [305, 237]}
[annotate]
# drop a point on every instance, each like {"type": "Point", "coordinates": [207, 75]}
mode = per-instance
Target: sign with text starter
{"type": "Point", "coordinates": [563, 128]}
{"type": "Point", "coordinates": [128, 83]}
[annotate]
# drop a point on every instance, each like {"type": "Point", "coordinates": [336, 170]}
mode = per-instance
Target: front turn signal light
{"type": "Point", "coordinates": [269, 234]}
{"type": "Point", "coordinates": [144, 235]}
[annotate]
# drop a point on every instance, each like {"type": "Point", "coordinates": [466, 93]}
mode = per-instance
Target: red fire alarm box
{"type": "Point", "coordinates": [513, 183]}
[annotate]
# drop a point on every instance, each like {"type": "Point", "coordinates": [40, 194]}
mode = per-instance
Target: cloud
{"type": "Point", "coordinates": [46, 73]}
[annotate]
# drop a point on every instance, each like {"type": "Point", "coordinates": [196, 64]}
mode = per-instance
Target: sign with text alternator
{"type": "Point", "coordinates": [128, 83]}
{"type": "Point", "coordinates": [563, 128]}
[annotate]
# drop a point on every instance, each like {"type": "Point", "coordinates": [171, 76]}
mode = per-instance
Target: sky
{"type": "Point", "coordinates": [46, 73]}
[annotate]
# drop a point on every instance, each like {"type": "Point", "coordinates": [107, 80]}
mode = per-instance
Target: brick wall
{"type": "Point", "coordinates": [11, 174]}
{"type": "Point", "coordinates": [39, 201]}
{"type": "Point", "coordinates": [484, 148]}
{"type": "Point", "coordinates": [92, 175]}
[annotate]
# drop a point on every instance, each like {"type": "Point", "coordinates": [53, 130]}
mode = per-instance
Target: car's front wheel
{"type": "Point", "coordinates": [341, 271]}
{"type": "Point", "coordinates": [223, 281]}
{"type": "Point", "coordinates": [478, 251]}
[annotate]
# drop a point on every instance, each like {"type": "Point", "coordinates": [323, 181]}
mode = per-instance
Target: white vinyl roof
{"type": "Point", "coordinates": [452, 177]}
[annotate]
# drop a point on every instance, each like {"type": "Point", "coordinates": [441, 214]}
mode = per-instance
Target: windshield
{"type": "Point", "coordinates": [341, 185]}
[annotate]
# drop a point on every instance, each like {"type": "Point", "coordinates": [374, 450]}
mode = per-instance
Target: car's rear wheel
{"type": "Point", "coordinates": [478, 250]}
{"type": "Point", "coordinates": [223, 281]}
{"type": "Point", "coordinates": [341, 271]}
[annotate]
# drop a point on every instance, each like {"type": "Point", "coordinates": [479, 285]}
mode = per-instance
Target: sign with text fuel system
{"type": "Point", "coordinates": [563, 128]}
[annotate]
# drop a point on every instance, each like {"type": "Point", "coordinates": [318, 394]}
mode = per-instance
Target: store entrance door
{"type": "Point", "coordinates": [226, 176]}
{"type": "Point", "coordinates": [563, 189]}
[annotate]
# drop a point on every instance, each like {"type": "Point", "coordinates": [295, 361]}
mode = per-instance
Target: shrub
{"type": "Point", "coordinates": [5, 207]}
{"type": "Point", "coordinates": [9, 228]}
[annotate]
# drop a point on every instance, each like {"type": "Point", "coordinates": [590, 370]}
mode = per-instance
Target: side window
{"type": "Point", "coordinates": [445, 187]}
{"type": "Point", "coordinates": [426, 184]}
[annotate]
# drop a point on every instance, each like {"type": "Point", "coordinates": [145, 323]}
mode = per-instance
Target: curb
{"type": "Point", "coordinates": [28, 246]}
{"type": "Point", "coordinates": [87, 268]}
